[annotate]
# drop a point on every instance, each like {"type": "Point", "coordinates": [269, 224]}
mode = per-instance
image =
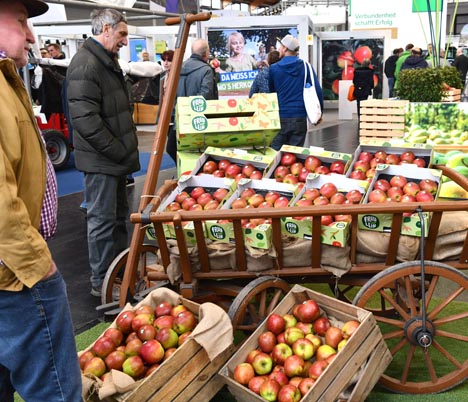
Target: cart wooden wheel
{"type": "Point", "coordinates": [110, 291]}
{"type": "Point", "coordinates": [255, 301]}
{"type": "Point", "coordinates": [429, 348]}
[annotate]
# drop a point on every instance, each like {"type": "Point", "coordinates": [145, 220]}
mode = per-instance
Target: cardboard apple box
{"type": "Point", "coordinates": [423, 151]}
{"type": "Point", "coordinates": [235, 155]}
{"type": "Point", "coordinates": [260, 236]}
{"type": "Point", "coordinates": [186, 183]}
{"type": "Point", "coordinates": [226, 122]}
{"type": "Point", "coordinates": [327, 157]}
{"type": "Point", "coordinates": [336, 234]}
{"type": "Point", "coordinates": [355, 369]}
{"type": "Point", "coordinates": [411, 225]}
{"type": "Point", "coordinates": [187, 161]}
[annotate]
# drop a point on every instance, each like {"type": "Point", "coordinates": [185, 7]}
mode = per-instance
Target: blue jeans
{"type": "Point", "coordinates": [107, 211]}
{"type": "Point", "coordinates": [391, 85]}
{"type": "Point", "coordinates": [37, 344]}
{"type": "Point", "coordinates": [293, 132]}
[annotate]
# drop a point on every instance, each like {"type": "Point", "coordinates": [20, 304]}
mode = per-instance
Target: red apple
{"type": "Point", "coordinates": [392, 159]}
{"type": "Point", "coordinates": [411, 188]}
{"type": "Point", "coordinates": [271, 196]}
{"type": "Point", "coordinates": [196, 192]}
{"type": "Point", "coordinates": [164, 321]}
{"type": "Point", "coordinates": [179, 198]}
{"type": "Point", "coordinates": [357, 175]}
{"type": "Point", "coordinates": [124, 321]}
{"type": "Point", "coordinates": [362, 165]}
{"type": "Point", "coordinates": [308, 311]}
{"type": "Point", "coordinates": [324, 351]}
{"type": "Point", "coordinates": [287, 159]}
{"type": "Point", "coordinates": [95, 366]}
{"type": "Point", "coordinates": [255, 200]}
{"type": "Point", "coordinates": [163, 308]}
{"type": "Point", "coordinates": [424, 196]}
{"type": "Point", "coordinates": [85, 357]}
{"type": "Point", "coordinates": [115, 360]}
{"type": "Point", "coordinates": [152, 351]}
{"type": "Point", "coordinates": [306, 327]}
{"type": "Point", "coordinates": [333, 336]}
{"type": "Point", "coordinates": [322, 169]}
{"type": "Point", "coordinates": [305, 385]}
{"type": "Point", "coordinates": [223, 164]}
{"type": "Point", "coordinates": [395, 193]}
{"type": "Point", "coordinates": [209, 167]}
{"type": "Point", "coordinates": [248, 169]}
{"type": "Point", "coordinates": [407, 156]}
{"type": "Point", "coordinates": [281, 202]}
{"type": "Point", "coordinates": [134, 366]}
{"type": "Point", "coordinates": [304, 348]}
{"type": "Point", "coordinates": [212, 204]}
{"type": "Point", "coordinates": [243, 373]}
{"type": "Point", "coordinates": [269, 390]}
{"type": "Point", "coordinates": [317, 368]}
{"type": "Point", "coordinates": [428, 185]}
{"type": "Point", "coordinates": [312, 162]}
{"type": "Point", "coordinates": [204, 198]}
{"type": "Point", "coordinates": [349, 328]}
{"type": "Point", "coordinates": [232, 171]}
{"type": "Point", "coordinates": [188, 203]}
{"type": "Point", "coordinates": [256, 175]}
{"type": "Point", "coordinates": [146, 332]}
{"type": "Point", "coordinates": [262, 363]}
{"type": "Point", "coordinates": [255, 382]}
{"type": "Point", "coordinates": [355, 196]}
{"type": "Point", "coordinates": [247, 193]}
{"type": "Point", "coordinates": [219, 173]}
{"type": "Point", "coordinates": [420, 162]}
{"type": "Point", "coordinates": [321, 200]}
{"type": "Point", "coordinates": [365, 156]}
{"type": "Point", "coordinates": [280, 376]}
{"type": "Point", "coordinates": [251, 355]}
{"type": "Point", "coordinates": [275, 323]}
{"type": "Point", "coordinates": [326, 220]}
{"type": "Point", "coordinates": [382, 184]}
{"type": "Point", "coordinates": [115, 334]}
{"type": "Point", "coordinates": [103, 346]}
{"type": "Point", "coordinates": [167, 337]}
{"type": "Point", "coordinates": [398, 181]}
{"type": "Point", "coordinates": [184, 322]}
{"type": "Point", "coordinates": [328, 190]}
{"type": "Point", "coordinates": [380, 155]}
{"type": "Point", "coordinates": [337, 167]}
{"type": "Point", "coordinates": [280, 173]}
{"type": "Point", "coordinates": [321, 325]}
{"type": "Point", "coordinates": [289, 393]}
{"type": "Point", "coordinates": [267, 341]}
{"type": "Point", "coordinates": [290, 179]}
{"type": "Point", "coordinates": [280, 352]}
{"type": "Point", "coordinates": [377, 196]}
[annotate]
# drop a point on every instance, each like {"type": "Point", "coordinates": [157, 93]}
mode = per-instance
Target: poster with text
{"type": "Point", "coordinates": [340, 57]}
{"type": "Point", "coordinates": [238, 54]}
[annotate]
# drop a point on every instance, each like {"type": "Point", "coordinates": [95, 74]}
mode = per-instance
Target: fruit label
{"type": "Point", "coordinates": [199, 123]}
{"type": "Point", "coordinates": [370, 221]}
{"type": "Point", "coordinates": [291, 228]}
{"type": "Point", "coordinates": [198, 105]}
{"type": "Point", "coordinates": [217, 232]}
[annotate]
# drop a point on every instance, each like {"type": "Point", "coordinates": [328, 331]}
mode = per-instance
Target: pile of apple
{"type": "Point", "coordinates": [140, 342]}
{"type": "Point", "coordinates": [226, 168]}
{"type": "Point", "coordinates": [292, 353]}
{"type": "Point", "coordinates": [293, 171]}
{"type": "Point", "coordinates": [364, 167]}
{"type": "Point", "coordinates": [198, 199]}
{"type": "Point", "coordinates": [328, 194]}
{"type": "Point", "coordinates": [251, 198]}
{"type": "Point", "coordinates": [399, 189]}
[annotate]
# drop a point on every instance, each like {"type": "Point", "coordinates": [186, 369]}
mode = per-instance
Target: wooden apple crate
{"type": "Point", "coordinates": [187, 376]}
{"type": "Point", "coordinates": [144, 113]}
{"type": "Point", "coordinates": [452, 95]}
{"type": "Point", "coordinates": [382, 119]}
{"type": "Point", "coordinates": [365, 355]}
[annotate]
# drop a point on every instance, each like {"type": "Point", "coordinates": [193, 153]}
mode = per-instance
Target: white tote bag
{"type": "Point", "coordinates": [311, 100]}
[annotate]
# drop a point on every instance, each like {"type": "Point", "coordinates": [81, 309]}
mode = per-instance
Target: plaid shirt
{"type": "Point", "coordinates": [48, 225]}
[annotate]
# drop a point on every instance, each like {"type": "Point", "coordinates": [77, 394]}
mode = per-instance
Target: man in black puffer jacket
{"type": "Point", "coordinates": [197, 77]}
{"type": "Point", "coordinates": [105, 140]}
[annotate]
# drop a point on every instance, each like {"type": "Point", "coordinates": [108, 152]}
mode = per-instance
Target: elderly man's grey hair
{"type": "Point", "coordinates": [101, 17]}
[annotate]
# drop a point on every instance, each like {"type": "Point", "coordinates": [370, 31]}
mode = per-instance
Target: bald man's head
{"type": "Point", "coordinates": [201, 48]}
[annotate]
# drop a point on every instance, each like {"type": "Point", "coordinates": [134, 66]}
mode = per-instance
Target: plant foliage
{"type": "Point", "coordinates": [427, 84]}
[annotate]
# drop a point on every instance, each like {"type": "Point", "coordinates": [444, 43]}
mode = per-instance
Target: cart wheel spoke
{"type": "Point", "coordinates": [255, 301]}
{"type": "Point", "coordinates": [430, 355]}
{"type": "Point", "coordinates": [113, 279]}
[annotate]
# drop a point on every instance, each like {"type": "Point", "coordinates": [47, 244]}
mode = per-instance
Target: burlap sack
{"type": "Point", "coordinates": [452, 234]}
{"type": "Point", "coordinates": [373, 247]}
{"type": "Point", "coordinates": [298, 253]}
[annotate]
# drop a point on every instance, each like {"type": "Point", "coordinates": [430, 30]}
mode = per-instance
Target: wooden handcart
{"type": "Point", "coordinates": [409, 300]}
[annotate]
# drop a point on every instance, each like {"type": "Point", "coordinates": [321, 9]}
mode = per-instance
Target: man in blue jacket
{"type": "Point", "coordinates": [287, 80]}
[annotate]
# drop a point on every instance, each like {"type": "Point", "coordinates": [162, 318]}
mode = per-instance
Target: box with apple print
{"type": "Point", "coordinates": [232, 163]}
{"type": "Point", "coordinates": [266, 193]}
{"type": "Point", "coordinates": [187, 161]}
{"type": "Point", "coordinates": [372, 153]}
{"type": "Point", "coordinates": [323, 190]}
{"type": "Point", "coordinates": [401, 183]}
{"type": "Point", "coordinates": [194, 193]}
{"type": "Point", "coordinates": [293, 164]}
{"type": "Point", "coordinates": [247, 122]}
{"type": "Point", "coordinates": [348, 373]}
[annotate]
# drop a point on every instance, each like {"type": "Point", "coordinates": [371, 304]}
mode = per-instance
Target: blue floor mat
{"type": "Point", "coordinates": [70, 180]}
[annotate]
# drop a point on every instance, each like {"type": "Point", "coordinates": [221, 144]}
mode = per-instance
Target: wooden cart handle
{"type": "Point", "coordinates": [189, 18]}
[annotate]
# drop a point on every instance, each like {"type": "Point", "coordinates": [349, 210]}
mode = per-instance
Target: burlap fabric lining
{"type": "Point", "coordinates": [372, 247]}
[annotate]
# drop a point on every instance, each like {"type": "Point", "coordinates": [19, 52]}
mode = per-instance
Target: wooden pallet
{"type": "Point", "coordinates": [382, 119]}
{"type": "Point", "coordinates": [453, 95]}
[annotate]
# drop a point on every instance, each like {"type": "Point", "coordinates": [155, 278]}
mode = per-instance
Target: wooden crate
{"type": "Point", "coordinates": [144, 114]}
{"type": "Point", "coordinates": [365, 353]}
{"type": "Point", "coordinates": [188, 375]}
{"type": "Point", "coordinates": [382, 119]}
{"type": "Point", "coordinates": [452, 95]}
